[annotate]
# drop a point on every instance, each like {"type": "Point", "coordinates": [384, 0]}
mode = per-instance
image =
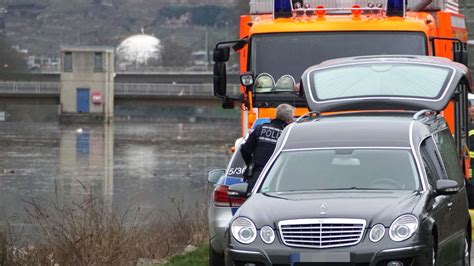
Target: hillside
{"type": "Point", "coordinates": [42, 26]}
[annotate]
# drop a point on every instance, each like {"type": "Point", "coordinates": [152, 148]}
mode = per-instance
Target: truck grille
{"type": "Point", "coordinates": [321, 233]}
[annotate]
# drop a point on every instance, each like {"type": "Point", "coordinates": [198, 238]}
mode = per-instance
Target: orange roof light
{"type": "Point", "coordinates": [356, 11]}
{"type": "Point", "coordinates": [320, 11]}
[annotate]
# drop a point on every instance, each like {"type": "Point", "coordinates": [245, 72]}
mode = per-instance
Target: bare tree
{"type": "Point", "coordinates": [10, 60]}
{"type": "Point", "coordinates": [176, 53]}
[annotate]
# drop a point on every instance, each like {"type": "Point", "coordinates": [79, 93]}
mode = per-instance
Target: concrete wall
{"type": "Point", "coordinates": [30, 109]}
{"type": "Point", "coordinates": [83, 76]}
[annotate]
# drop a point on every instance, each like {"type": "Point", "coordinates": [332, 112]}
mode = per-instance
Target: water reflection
{"type": "Point", "coordinates": [86, 154]}
{"type": "Point", "coordinates": [125, 163]}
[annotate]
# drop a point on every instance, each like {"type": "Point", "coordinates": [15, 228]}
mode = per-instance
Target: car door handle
{"type": "Point", "coordinates": [450, 204]}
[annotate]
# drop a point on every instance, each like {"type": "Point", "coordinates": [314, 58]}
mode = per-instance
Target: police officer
{"type": "Point", "coordinates": [262, 141]}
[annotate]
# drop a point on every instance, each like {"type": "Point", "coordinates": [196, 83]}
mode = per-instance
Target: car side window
{"type": "Point", "coordinates": [451, 161]}
{"type": "Point", "coordinates": [431, 161]}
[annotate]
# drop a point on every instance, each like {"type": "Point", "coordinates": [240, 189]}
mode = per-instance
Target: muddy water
{"type": "Point", "coordinates": [145, 164]}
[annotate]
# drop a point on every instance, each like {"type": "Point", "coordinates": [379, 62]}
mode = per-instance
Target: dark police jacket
{"type": "Point", "coordinates": [261, 143]}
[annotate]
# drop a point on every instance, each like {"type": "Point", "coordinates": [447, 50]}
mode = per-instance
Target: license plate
{"type": "Point", "coordinates": [304, 257]}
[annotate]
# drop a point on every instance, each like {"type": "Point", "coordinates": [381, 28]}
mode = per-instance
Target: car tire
{"type": "Point", "coordinates": [215, 259]}
{"type": "Point", "coordinates": [467, 251]}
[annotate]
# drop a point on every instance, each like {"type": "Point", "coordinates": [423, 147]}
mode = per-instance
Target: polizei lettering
{"type": "Point", "coordinates": [269, 134]}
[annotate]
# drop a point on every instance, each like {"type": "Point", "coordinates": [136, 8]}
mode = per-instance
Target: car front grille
{"type": "Point", "coordinates": [321, 233]}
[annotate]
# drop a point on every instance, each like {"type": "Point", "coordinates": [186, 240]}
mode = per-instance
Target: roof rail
{"type": "Point", "coordinates": [424, 114]}
{"type": "Point", "coordinates": [307, 116]}
{"type": "Point", "coordinates": [339, 10]}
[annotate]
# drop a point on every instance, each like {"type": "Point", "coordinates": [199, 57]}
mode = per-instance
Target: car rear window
{"type": "Point", "coordinates": [378, 169]}
{"type": "Point", "coordinates": [380, 79]}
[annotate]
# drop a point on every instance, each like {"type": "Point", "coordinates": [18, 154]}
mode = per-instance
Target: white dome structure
{"type": "Point", "coordinates": [139, 51]}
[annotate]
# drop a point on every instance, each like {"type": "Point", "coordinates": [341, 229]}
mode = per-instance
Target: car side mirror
{"type": "Point", "coordinates": [447, 187]}
{"type": "Point", "coordinates": [214, 175]}
{"type": "Point", "coordinates": [238, 190]}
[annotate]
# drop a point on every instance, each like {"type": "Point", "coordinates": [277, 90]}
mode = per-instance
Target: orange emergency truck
{"type": "Point", "coordinates": [279, 39]}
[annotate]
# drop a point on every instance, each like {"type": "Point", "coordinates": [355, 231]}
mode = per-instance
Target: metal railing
{"type": "Point", "coordinates": [38, 88]}
{"type": "Point", "coordinates": [137, 89]}
{"type": "Point", "coordinates": [121, 89]}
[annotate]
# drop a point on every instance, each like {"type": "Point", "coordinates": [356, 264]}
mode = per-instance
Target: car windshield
{"type": "Point", "coordinates": [379, 79]}
{"type": "Point", "coordinates": [344, 169]}
{"type": "Point", "coordinates": [290, 54]}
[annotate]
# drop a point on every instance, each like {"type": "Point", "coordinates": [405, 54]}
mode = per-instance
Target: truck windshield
{"type": "Point", "coordinates": [290, 54]}
{"type": "Point", "coordinates": [342, 169]}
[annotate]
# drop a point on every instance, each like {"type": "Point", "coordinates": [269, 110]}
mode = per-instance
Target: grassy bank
{"type": "Point", "coordinates": [198, 257]}
{"type": "Point", "coordinates": [91, 233]}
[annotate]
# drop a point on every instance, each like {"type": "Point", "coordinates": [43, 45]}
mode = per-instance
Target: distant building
{"type": "Point", "coordinates": [43, 63]}
{"type": "Point", "coordinates": [139, 52]}
{"type": "Point", "coordinates": [87, 83]}
{"type": "Point", "coordinates": [201, 58]}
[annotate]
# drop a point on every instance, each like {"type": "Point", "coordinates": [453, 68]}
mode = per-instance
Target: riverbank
{"type": "Point", "coordinates": [199, 257]}
{"type": "Point", "coordinates": [89, 233]}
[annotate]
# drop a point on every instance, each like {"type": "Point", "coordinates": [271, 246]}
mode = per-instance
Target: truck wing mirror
{"type": "Point", "coordinates": [221, 54]}
{"type": "Point", "coordinates": [220, 80]}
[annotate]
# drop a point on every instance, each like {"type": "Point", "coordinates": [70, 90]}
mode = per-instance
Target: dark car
{"type": "Point", "coordinates": [364, 187]}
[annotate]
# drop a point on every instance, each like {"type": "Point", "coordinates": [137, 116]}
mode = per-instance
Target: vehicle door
{"type": "Point", "coordinates": [457, 203]}
{"type": "Point", "coordinates": [236, 169]}
{"type": "Point", "coordinates": [437, 206]}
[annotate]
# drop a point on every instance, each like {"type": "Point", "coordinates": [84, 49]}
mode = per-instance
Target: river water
{"type": "Point", "coordinates": [144, 164]}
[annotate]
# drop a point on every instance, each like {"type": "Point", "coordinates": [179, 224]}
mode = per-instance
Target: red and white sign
{"type": "Point", "coordinates": [97, 97]}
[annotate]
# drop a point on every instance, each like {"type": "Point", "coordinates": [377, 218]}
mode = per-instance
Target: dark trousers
{"type": "Point", "coordinates": [253, 180]}
{"type": "Point", "coordinates": [470, 193]}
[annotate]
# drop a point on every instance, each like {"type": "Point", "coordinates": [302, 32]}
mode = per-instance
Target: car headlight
{"type": "Point", "coordinates": [267, 234]}
{"type": "Point", "coordinates": [403, 227]}
{"type": "Point", "coordinates": [376, 233]}
{"type": "Point", "coordinates": [243, 230]}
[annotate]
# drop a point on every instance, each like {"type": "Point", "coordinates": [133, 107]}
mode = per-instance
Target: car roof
{"type": "Point", "coordinates": [392, 129]}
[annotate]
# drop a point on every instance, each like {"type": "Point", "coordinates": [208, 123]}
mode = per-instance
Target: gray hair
{"type": "Point", "coordinates": [285, 112]}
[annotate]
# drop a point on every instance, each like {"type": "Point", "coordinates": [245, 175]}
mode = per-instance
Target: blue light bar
{"type": "Point", "coordinates": [282, 9]}
{"type": "Point", "coordinates": [396, 8]}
